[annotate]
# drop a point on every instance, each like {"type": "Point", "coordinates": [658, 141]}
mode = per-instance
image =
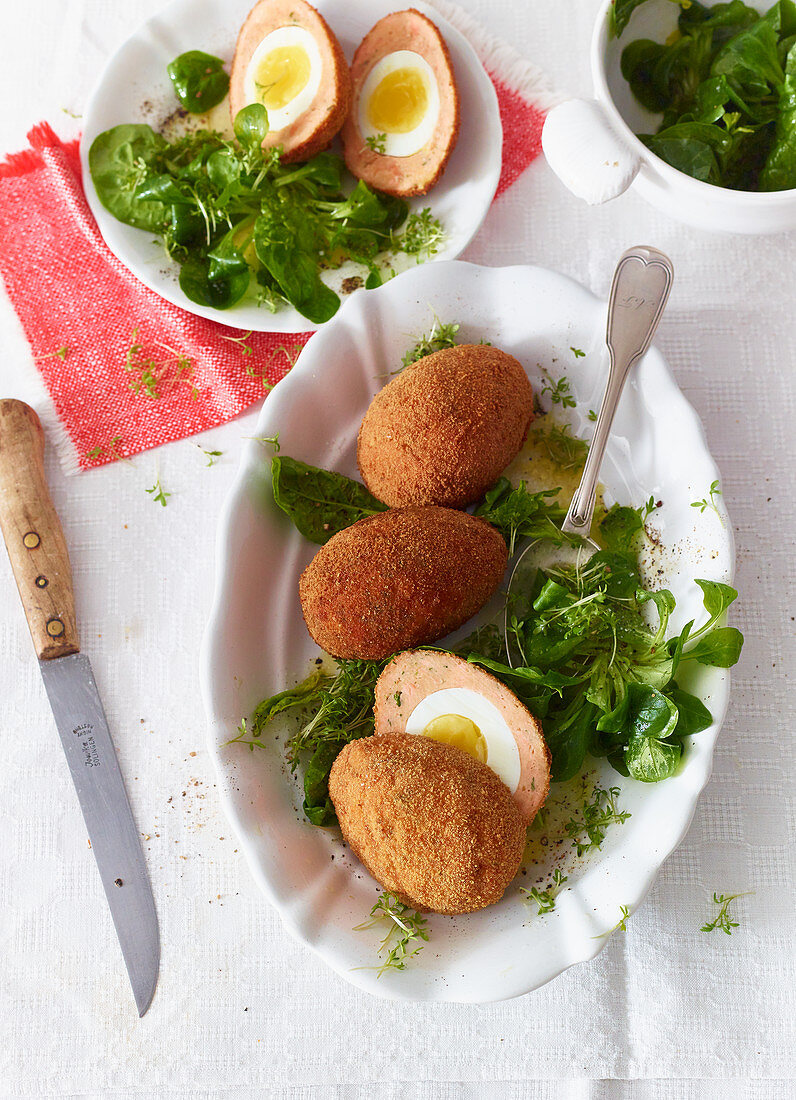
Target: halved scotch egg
{"type": "Point", "coordinates": [289, 60]}
{"type": "Point", "coordinates": [441, 696]}
{"type": "Point", "coordinates": [404, 119]}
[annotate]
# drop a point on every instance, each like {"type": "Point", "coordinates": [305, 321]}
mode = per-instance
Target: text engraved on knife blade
{"type": "Point", "coordinates": [85, 734]}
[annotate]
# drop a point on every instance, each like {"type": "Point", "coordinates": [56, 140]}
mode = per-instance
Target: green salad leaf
{"type": "Point", "coordinates": [725, 85]}
{"type": "Point", "coordinates": [199, 80]}
{"type": "Point", "coordinates": [723, 919]}
{"type": "Point", "coordinates": [441, 336]}
{"type": "Point", "coordinates": [519, 515]}
{"type": "Point", "coordinates": [779, 170]}
{"type": "Point", "coordinates": [405, 936]}
{"type": "Point", "coordinates": [119, 159]}
{"type": "Point", "coordinates": [319, 502]}
{"type": "Point", "coordinates": [317, 803]}
{"type": "Point", "coordinates": [621, 10]}
{"type": "Point", "coordinates": [422, 236]}
{"type": "Point", "coordinates": [545, 900]}
{"type": "Point", "coordinates": [588, 826]}
{"type": "Point", "coordinates": [692, 714]}
{"type": "Point", "coordinates": [600, 678]}
{"type": "Point", "coordinates": [749, 60]}
{"type": "Point", "coordinates": [724, 20]}
{"type": "Point", "coordinates": [220, 290]}
{"type": "Point", "coordinates": [239, 222]}
{"type": "Point", "coordinates": [330, 709]}
{"type": "Point", "coordinates": [721, 648]}
{"type": "Point", "coordinates": [251, 129]}
{"type": "Point", "coordinates": [620, 526]}
{"type": "Point", "coordinates": [716, 597]}
{"type": "Point", "coordinates": [287, 245]}
{"type": "Point", "coordinates": [302, 695]}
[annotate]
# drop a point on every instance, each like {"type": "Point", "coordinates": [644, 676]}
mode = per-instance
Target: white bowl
{"type": "Point", "coordinates": [592, 146]}
{"type": "Point", "coordinates": [256, 642]}
{"type": "Point", "coordinates": [135, 87]}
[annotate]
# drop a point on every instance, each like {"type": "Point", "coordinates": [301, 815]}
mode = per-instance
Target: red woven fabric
{"type": "Point", "coordinates": [522, 133]}
{"type": "Point", "coordinates": [71, 292]}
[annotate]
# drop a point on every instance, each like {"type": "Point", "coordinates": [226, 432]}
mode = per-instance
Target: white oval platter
{"type": "Point", "coordinates": [256, 642]}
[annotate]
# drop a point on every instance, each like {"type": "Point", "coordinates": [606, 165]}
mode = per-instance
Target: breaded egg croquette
{"type": "Point", "coordinates": [288, 59]}
{"type": "Point", "coordinates": [399, 579]}
{"type": "Point", "coordinates": [430, 823]}
{"type": "Point", "coordinates": [405, 111]}
{"type": "Point", "coordinates": [444, 430]}
{"type": "Point", "coordinates": [418, 686]}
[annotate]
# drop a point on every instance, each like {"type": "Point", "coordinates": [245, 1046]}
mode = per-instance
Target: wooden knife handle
{"type": "Point", "coordinates": [33, 535]}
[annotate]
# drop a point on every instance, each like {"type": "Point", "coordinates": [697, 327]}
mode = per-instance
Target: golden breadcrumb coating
{"type": "Point", "coordinates": [430, 823]}
{"type": "Point", "coordinates": [444, 430]}
{"type": "Point", "coordinates": [400, 579]}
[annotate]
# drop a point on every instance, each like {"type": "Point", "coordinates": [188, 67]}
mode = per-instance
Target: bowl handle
{"type": "Point", "coordinates": [586, 153]}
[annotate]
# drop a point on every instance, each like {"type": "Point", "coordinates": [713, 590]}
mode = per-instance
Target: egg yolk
{"type": "Point", "coordinates": [281, 75]}
{"type": "Point", "coordinates": [461, 732]}
{"type": "Point", "coordinates": [398, 102]}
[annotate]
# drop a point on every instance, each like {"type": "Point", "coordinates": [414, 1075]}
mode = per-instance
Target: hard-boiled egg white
{"type": "Point", "coordinates": [399, 104]}
{"type": "Point", "coordinates": [284, 74]}
{"type": "Point", "coordinates": [471, 722]}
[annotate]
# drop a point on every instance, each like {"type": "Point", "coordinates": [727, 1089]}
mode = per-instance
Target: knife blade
{"type": "Point", "coordinates": [115, 841]}
{"type": "Point", "coordinates": [40, 561]}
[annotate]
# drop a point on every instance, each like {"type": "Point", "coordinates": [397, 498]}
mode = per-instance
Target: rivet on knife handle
{"type": "Point", "coordinates": [33, 535]}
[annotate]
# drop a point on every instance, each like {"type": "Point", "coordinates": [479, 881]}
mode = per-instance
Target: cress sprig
{"type": "Point", "coordinates": [405, 936]}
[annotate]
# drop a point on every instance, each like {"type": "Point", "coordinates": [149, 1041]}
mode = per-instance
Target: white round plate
{"type": "Point", "coordinates": [256, 642]}
{"type": "Point", "coordinates": [136, 88]}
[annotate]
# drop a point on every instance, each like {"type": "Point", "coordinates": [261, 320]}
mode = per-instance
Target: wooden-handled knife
{"type": "Point", "coordinates": [39, 558]}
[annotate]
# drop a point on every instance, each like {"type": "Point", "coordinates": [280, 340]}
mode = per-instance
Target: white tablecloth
{"type": "Point", "coordinates": [243, 1010]}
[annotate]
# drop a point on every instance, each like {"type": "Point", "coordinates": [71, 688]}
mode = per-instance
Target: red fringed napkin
{"type": "Point", "coordinates": [80, 307]}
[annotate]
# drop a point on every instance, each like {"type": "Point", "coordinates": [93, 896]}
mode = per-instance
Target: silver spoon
{"type": "Point", "coordinates": [639, 292]}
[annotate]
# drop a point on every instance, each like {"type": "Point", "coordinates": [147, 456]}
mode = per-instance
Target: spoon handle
{"type": "Point", "coordinates": [639, 292]}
